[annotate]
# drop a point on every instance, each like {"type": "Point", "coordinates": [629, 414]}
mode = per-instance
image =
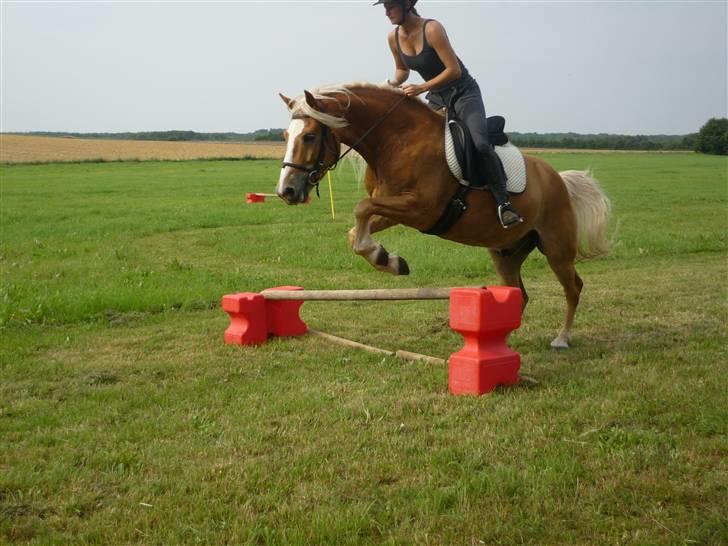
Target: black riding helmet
{"type": "Point", "coordinates": [392, 1]}
{"type": "Point", "coordinates": [404, 6]}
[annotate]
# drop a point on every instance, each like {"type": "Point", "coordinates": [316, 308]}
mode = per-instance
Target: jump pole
{"type": "Point", "coordinates": [376, 294]}
{"type": "Point", "coordinates": [485, 317]}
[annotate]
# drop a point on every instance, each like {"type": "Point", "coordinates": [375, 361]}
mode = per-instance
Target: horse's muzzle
{"type": "Point", "coordinates": [292, 196]}
{"type": "Point", "coordinates": [292, 186]}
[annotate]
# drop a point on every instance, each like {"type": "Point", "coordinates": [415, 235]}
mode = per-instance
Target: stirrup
{"type": "Point", "coordinates": [508, 207]}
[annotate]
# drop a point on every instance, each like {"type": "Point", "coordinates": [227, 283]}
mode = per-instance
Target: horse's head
{"type": "Point", "coordinates": [311, 150]}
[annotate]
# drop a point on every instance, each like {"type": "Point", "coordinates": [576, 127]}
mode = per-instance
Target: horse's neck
{"type": "Point", "coordinates": [394, 130]}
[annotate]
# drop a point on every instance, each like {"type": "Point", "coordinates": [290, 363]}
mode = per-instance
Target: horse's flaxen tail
{"type": "Point", "coordinates": [592, 208]}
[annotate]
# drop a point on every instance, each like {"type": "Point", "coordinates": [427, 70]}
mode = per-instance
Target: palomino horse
{"type": "Point", "coordinates": [409, 183]}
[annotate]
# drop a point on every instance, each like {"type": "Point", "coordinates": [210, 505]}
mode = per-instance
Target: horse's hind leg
{"type": "Point", "coordinates": [572, 283]}
{"type": "Point", "coordinates": [561, 260]}
{"type": "Point", "coordinates": [508, 263]}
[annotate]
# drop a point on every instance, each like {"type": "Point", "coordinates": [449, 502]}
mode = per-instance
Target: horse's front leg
{"type": "Point", "coordinates": [376, 214]}
{"type": "Point", "coordinates": [376, 223]}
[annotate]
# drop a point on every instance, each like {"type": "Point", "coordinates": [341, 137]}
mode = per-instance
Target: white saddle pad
{"type": "Point", "coordinates": [511, 157]}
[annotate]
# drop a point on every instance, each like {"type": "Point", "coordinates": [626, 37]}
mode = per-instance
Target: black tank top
{"type": "Point", "coordinates": [427, 63]}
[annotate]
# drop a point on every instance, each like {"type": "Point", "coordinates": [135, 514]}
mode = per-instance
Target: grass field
{"type": "Point", "coordinates": [125, 419]}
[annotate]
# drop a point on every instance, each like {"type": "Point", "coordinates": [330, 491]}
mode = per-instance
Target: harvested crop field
{"type": "Point", "coordinates": [35, 149]}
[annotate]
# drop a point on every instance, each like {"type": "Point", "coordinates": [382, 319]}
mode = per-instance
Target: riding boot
{"type": "Point", "coordinates": [496, 177]}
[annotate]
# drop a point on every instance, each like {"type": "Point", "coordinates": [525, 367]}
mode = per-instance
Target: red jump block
{"type": "Point", "coordinates": [484, 317]}
{"type": "Point", "coordinates": [253, 318]}
{"type": "Point", "coordinates": [260, 198]}
{"type": "Point", "coordinates": [254, 198]}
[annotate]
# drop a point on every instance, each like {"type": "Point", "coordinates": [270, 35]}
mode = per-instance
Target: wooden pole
{"type": "Point", "coordinates": [349, 343]}
{"type": "Point", "coordinates": [406, 355]}
{"type": "Point", "coordinates": [356, 295]}
{"type": "Point", "coordinates": [417, 357]}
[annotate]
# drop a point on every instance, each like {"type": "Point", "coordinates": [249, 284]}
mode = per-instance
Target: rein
{"type": "Point", "coordinates": [376, 124]}
{"type": "Point", "coordinates": [317, 172]}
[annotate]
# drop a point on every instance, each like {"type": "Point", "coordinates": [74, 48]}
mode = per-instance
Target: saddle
{"type": "Point", "coordinates": [461, 154]}
{"type": "Point", "coordinates": [461, 159]}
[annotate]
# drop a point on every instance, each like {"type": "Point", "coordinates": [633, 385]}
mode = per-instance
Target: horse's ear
{"type": "Point", "coordinates": [289, 102]}
{"type": "Point", "coordinates": [311, 101]}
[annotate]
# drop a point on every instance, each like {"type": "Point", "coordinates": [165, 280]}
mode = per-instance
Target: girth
{"type": "Point", "coordinates": [455, 208]}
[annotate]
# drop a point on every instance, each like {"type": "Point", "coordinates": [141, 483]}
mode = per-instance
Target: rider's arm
{"type": "Point", "coordinates": [401, 72]}
{"type": "Point", "coordinates": [437, 37]}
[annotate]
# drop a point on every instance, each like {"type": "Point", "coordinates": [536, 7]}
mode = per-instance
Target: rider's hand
{"type": "Point", "coordinates": [412, 90]}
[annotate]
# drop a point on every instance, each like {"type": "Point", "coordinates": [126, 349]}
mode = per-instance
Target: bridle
{"type": "Point", "coordinates": [319, 169]}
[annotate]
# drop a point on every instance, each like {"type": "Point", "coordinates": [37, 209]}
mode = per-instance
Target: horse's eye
{"type": "Point", "coordinates": [309, 137]}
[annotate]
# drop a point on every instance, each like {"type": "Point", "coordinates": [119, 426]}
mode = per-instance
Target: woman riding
{"type": "Point", "coordinates": [422, 45]}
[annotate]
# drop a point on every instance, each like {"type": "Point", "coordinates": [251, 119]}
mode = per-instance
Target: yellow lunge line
{"type": "Point", "coordinates": [331, 197]}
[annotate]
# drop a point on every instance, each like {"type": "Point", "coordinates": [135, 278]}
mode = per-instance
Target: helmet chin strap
{"type": "Point", "coordinates": [405, 11]}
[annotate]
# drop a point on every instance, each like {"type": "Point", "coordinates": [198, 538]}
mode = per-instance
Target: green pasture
{"type": "Point", "coordinates": [125, 419]}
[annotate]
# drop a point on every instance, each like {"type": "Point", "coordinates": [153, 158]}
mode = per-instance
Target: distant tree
{"type": "Point", "coordinates": [268, 135]}
{"type": "Point", "coordinates": [713, 137]}
{"type": "Point", "coordinates": [688, 141]}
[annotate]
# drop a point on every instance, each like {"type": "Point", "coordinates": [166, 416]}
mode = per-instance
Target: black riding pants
{"type": "Point", "coordinates": [469, 107]}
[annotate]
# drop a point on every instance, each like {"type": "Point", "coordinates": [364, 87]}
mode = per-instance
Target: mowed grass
{"type": "Point", "coordinates": [125, 419]}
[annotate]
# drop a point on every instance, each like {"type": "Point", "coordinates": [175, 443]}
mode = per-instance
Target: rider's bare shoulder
{"type": "Point", "coordinates": [435, 30]}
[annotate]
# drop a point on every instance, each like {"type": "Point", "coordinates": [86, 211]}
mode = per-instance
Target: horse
{"type": "Point", "coordinates": [408, 181]}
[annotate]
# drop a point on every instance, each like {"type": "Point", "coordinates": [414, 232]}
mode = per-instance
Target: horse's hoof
{"type": "Point", "coordinates": [382, 258]}
{"type": "Point", "coordinates": [395, 266]}
{"type": "Point", "coordinates": [560, 343]}
{"type": "Point", "coordinates": [402, 268]}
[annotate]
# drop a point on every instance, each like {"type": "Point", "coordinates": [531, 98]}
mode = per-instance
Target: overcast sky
{"type": "Point", "coordinates": [633, 67]}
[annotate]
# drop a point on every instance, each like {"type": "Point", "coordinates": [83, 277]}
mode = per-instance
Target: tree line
{"type": "Point", "coordinates": [173, 136]}
{"type": "Point", "coordinates": [711, 139]}
{"type": "Point", "coordinates": [602, 141]}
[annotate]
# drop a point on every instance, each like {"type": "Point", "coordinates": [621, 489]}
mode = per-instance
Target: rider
{"type": "Point", "coordinates": [444, 75]}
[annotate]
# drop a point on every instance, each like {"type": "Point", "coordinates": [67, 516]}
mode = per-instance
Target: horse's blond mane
{"type": "Point", "coordinates": [300, 107]}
